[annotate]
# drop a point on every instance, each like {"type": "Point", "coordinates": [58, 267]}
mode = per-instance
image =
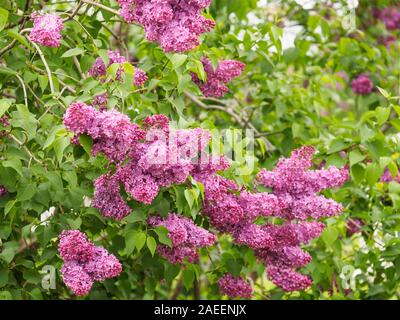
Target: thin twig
{"type": "Point", "coordinates": [23, 88]}
{"type": "Point", "coordinates": [46, 66]}
{"type": "Point", "coordinates": [21, 144]}
{"type": "Point", "coordinates": [101, 6]}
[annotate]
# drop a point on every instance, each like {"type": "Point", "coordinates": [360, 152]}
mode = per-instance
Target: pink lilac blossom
{"type": "Point", "coordinates": [84, 263]}
{"type": "Point", "coordinates": [99, 69]}
{"type": "Point", "coordinates": [362, 85]}
{"type": "Point", "coordinates": [176, 25]}
{"type": "Point", "coordinates": [139, 77]}
{"type": "Point", "coordinates": [387, 41]}
{"type": "Point", "coordinates": [234, 287]}
{"type": "Point", "coordinates": [387, 177]}
{"type": "Point", "coordinates": [100, 101]}
{"type": "Point", "coordinates": [146, 158]}
{"type": "Point", "coordinates": [390, 16]}
{"type": "Point", "coordinates": [233, 210]}
{"type": "Point", "coordinates": [215, 85]}
{"type": "Point", "coordinates": [5, 123]}
{"type": "Point", "coordinates": [186, 238]}
{"type": "Point", "coordinates": [46, 29]}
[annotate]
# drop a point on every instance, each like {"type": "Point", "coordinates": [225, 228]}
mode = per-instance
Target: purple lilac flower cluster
{"type": "Point", "coordinates": [234, 287]}
{"type": "Point", "coordinates": [5, 123]}
{"type": "Point", "coordinates": [176, 25]}
{"type": "Point", "coordinates": [215, 85]}
{"type": "Point", "coordinates": [99, 69]}
{"type": "Point", "coordinates": [84, 263]}
{"type": "Point", "coordinates": [387, 176]}
{"type": "Point", "coordinates": [46, 29]}
{"type": "Point", "coordinates": [390, 16]}
{"type": "Point", "coordinates": [186, 238]}
{"type": "Point", "coordinates": [294, 200]}
{"type": "Point", "coordinates": [146, 158]}
{"type": "Point", "coordinates": [362, 85]}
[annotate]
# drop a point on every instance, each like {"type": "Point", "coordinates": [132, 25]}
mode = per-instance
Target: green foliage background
{"type": "Point", "coordinates": [290, 96]}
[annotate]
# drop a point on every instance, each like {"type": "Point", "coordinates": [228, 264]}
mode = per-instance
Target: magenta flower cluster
{"type": "Point", "coordinates": [362, 85]}
{"type": "Point", "coordinates": [4, 121]}
{"type": "Point", "coordinates": [99, 69]}
{"type": "Point", "coordinates": [146, 158]}
{"type": "Point", "coordinates": [294, 200]}
{"type": "Point", "coordinates": [186, 238]}
{"type": "Point", "coordinates": [390, 16]}
{"type": "Point", "coordinates": [234, 287]}
{"type": "Point", "coordinates": [387, 177]}
{"type": "Point", "coordinates": [176, 25]}
{"type": "Point", "coordinates": [46, 29]}
{"type": "Point", "coordinates": [84, 263]}
{"type": "Point", "coordinates": [215, 85]}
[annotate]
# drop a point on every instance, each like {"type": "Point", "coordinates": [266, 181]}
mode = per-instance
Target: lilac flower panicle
{"type": "Point", "coordinates": [215, 85]}
{"type": "Point", "coordinates": [99, 69]}
{"type": "Point", "coordinates": [234, 287]}
{"type": "Point", "coordinates": [139, 77]}
{"type": "Point", "coordinates": [390, 16]}
{"type": "Point", "coordinates": [84, 263]}
{"type": "Point", "coordinates": [46, 29]}
{"type": "Point", "coordinates": [186, 238]}
{"type": "Point", "coordinates": [362, 85]}
{"type": "Point", "coordinates": [175, 25]}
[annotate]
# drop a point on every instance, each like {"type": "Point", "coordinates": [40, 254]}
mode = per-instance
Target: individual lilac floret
{"type": "Point", "coordinates": [215, 85]}
{"type": "Point", "coordinates": [234, 287]}
{"type": "Point", "coordinates": [362, 85]}
{"type": "Point", "coordinates": [99, 69]}
{"type": "Point", "coordinates": [3, 191]}
{"type": "Point", "coordinates": [186, 238]}
{"type": "Point", "coordinates": [46, 29]}
{"type": "Point", "coordinates": [176, 25]}
{"type": "Point", "coordinates": [139, 77]}
{"type": "Point", "coordinates": [84, 263]}
{"type": "Point", "coordinates": [100, 101]}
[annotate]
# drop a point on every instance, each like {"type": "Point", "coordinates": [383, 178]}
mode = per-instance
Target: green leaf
{"type": "Point", "coordinates": [190, 197]}
{"type": "Point", "coordinates": [139, 239]}
{"type": "Point", "coordinates": [5, 295]}
{"type": "Point", "coordinates": [73, 52]}
{"type": "Point", "coordinates": [355, 157]}
{"type": "Point", "coordinates": [5, 104]}
{"type": "Point", "coordinates": [14, 163]}
{"type": "Point", "coordinates": [7, 255]}
{"type": "Point", "coordinates": [163, 237]}
{"type": "Point", "coordinates": [15, 35]}
{"type": "Point", "coordinates": [135, 217]}
{"type": "Point", "coordinates": [86, 143]}
{"type": "Point", "coordinates": [3, 18]}
{"type": "Point", "coordinates": [188, 278]}
{"type": "Point", "coordinates": [75, 223]}
{"type": "Point", "coordinates": [177, 60]}
{"type": "Point", "coordinates": [26, 192]}
{"type": "Point", "coordinates": [151, 244]}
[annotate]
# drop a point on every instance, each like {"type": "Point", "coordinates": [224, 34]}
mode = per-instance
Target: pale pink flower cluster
{"type": "Point", "coordinates": [176, 25]}
{"type": "Point", "coordinates": [234, 287]}
{"type": "Point", "coordinates": [215, 85]}
{"type": "Point", "coordinates": [146, 158]}
{"type": "Point", "coordinates": [46, 29]}
{"type": "Point", "coordinates": [186, 238]}
{"type": "Point", "coordinates": [99, 69]}
{"type": "Point", "coordinates": [84, 263]}
{"type": "Point", "coordinates": [294, 200]}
